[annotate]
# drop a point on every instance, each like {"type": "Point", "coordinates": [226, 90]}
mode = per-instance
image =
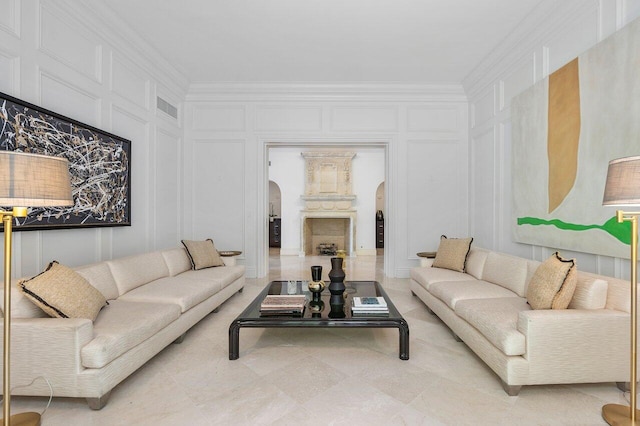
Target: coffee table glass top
{"type": "Point", "coordinates": [322, 310]}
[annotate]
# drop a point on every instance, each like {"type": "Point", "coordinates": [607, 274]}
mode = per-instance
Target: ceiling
{"type": "Point", "coordinates": [329, 41]}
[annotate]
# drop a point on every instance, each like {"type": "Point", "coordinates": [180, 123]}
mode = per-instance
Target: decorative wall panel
{"type": "Point", "coordinates": [128, 82]}
{"type": "Point", "coordinates": [219, 118]}
{"type": "Point", "coordinates": [10, 16]}
{"type": "Point", "coordinates": [432, 119]}
{"type": "Point", "coordinates": [285, 119]}
{"type": "Point", "coordinates": [364, 119]}
{"type": "Point", "coordinates": [484, 108]}
{"type": "Point", "coordinates": [60, 40]}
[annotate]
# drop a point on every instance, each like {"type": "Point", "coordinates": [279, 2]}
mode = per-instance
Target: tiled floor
{"type": "Point", "coordinates": [318, 377]}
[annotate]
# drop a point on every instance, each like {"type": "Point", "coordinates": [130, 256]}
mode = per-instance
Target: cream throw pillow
{"type": "Point", "coordinates": [452, 253]}
{"type": "Point", "coordinates": [63, 293]}
{"type": "Point", "coordinates": [203, 254]}
{"type": "Point", "coordinates": [553, 283]}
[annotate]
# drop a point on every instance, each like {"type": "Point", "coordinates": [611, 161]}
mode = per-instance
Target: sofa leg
{"type": "Point", "coordinates": [509, 389]}
{"type": "Point", "coordinates": [180, 339]}
{"type": "Point", "coordinates": [100, 402]}
{"type": "Point", "coordinates": [624, 386]}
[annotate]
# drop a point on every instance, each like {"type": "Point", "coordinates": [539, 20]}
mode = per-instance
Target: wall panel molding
{"type": "Point", "coordinates": [129, 82]}
{"type": "Point", "coordinates": [10, 17]}
{"type": "Point", "coordinates": [220, 118]}
{"type": "Point", "coordinates": [281, 118]}
{"type": "Point", "coordinates": [58, 38]}
{"type": "Point", "coordinates": [364, 118]}
{"type": "Point", "coordinates": [436, 119]}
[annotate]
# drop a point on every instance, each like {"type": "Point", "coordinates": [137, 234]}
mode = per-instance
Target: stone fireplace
{"type": "Point", "coordinates": [328, 216]}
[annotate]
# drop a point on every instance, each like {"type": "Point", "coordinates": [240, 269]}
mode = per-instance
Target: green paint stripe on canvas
{"type": "Point", "coordinates": [620, 231]}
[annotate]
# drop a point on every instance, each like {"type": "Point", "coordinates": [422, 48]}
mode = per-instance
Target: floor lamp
{"type": "Point", "coordinates": [26, 180]}
{"type": "Point", "coordinates": [623, 189]}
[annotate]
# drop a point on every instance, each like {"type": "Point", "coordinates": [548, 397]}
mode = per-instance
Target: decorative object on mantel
{"type": "Point", "coordinates": [336, 287]}
{"type": "Point", "coordinates": [99, 166]}
{"type": "Point", "coordinates": [316, 285]}
{"type": "Point", "coordinates": [26, 180]}
{"type": "Point", "coordinates": [623, 189]}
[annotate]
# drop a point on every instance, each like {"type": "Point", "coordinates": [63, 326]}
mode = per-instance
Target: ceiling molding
{"type": "Point", "coordinates": [100, 19]}
{"type": "Point", "coordinates": [392, 92]}
{"type": "Point", "coordinates": [542, 24]}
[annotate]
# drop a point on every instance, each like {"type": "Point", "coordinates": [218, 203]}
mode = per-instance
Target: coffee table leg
{"type": "Point", "coordinates": [403, 330]}
{"type": "Point", "coordinates": [234, 340]}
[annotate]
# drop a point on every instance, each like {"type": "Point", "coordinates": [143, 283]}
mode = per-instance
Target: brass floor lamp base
{"type": "Point", "coordinates": [619, 415]}
{"type": "Point", "coordinates": [24, 419]}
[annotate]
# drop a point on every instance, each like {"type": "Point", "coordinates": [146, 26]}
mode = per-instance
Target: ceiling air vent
{"type": "Point", "coordinates": [167, 108]}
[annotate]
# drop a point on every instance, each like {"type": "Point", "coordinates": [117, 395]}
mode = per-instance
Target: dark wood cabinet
{"type": "Point", "coordinates": [379, 233]}
{"type": "Point", "coordinates": [275, 232]}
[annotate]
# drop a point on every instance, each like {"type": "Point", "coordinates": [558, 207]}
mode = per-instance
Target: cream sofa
{"type": "Point", "coordinates": [486, 308]}
{"type": "Point", "coordinates": [153, 299]}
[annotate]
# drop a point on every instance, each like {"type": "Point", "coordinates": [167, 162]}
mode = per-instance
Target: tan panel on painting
{"type": "Point", "coordinates": [564, 132]}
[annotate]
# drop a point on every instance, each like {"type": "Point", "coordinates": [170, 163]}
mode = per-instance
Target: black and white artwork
{"type": "Point", "coordinates": [99, 165]}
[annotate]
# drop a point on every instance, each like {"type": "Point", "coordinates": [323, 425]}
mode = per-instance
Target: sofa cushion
{"type": "Point", "coordinates": [134, 271]}
{"type": "Point", "coordinates": [224, 275]}
{"type": "Point", "coordinates": [99, 276]}
{"type": "Point", "coordinates": [63, 293]}
{"type": "Point", "coordinates": [124, 325]}
{"type": "Point", "coordinates": [590, 293]}
{"type": "Point", "coordinates": [507, 271]}
{"type": "Point", "coordinates": [177, 260]}
{"type": "Point", "coordinates": [203, 254]}
{"type": "Point", "coordinates": [553, 284]}
{"type": "Point", "coordinates": [452, 253]}
{"type": "Point", "coordinates": [178, 290]}
{"type": "Point", "coordinates": [497, 320]}
{"type": "Point", "coordinates": [475, 262]}
{"type": "Point", "coordinates": [428, 276]}
{"type": "Point", "coordinates": [453, 291]}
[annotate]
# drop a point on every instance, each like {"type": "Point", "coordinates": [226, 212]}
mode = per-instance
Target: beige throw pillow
{"type": "Point", "coordinates": [553, 283]}
{"type": "Point", "coordinates": [452, 253]}
{"type": "Point", "coordinates": [203, 254]}
{"type": "Point", "coordinates": [63, 293]}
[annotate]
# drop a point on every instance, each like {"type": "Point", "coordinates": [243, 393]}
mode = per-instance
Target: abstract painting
{"type": "Point", "coordinates": [566, 129]}
{"type": "Point", "coordinates": [99, 165]}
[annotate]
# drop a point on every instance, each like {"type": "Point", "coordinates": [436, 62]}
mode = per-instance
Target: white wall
{"type": "Point", "coordinates": [58, 55]}
{"type": "Point", "coordinates": [422, 128]}
{"type": "Point", "coordinates": [556, 33]}
{"type": "Point", "coordinates": [287, 170]}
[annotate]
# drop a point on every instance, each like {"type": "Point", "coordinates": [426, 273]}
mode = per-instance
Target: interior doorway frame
{"type": "Point", "coordinates": [262, 215]}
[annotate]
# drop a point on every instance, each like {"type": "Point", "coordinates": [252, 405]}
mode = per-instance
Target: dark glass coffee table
{"type": "Point", "coordinates": [320, 314]}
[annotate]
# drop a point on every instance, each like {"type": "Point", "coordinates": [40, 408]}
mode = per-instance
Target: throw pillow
{"type": "Point", "coordinates": [63, 293]}
{"type": "Point", "coordinates": [203, 254]}
{"type": "Point", "coordinates": [553, 283]}
{"type": "Point", "coordinates": [452, 253]}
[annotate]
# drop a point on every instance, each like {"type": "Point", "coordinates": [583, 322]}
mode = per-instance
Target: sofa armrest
{"type": "Point", "coordinates": [572, 344]}
{"type": "Point", "coordinates": [47, 346]}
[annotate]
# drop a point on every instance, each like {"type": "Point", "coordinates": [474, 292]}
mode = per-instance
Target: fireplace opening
{"type": "Point", "coordinates": [320, 233]}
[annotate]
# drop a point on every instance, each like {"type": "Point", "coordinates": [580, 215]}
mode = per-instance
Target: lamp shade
{"type": "Point", "coordinates": [31, 180]}
{"type": "Point", "coordinates": [623, 182]}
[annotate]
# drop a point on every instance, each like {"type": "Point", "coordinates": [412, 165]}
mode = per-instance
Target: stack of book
{"type": "Point", "coordinates": [283, 304]}
{"type": "Point", "coordinates": [368, 306]}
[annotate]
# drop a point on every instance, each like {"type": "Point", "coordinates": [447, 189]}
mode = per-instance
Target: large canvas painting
{"type": "Point", "coordinates": [566, 128]}
{"type": "Point", "coordinates": [99, 165]}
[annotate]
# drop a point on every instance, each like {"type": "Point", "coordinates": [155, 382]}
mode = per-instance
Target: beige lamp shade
{"type": "Point", "coordinates": [623, 182]}
{"type": "Point", "coordinates": [31, 180]}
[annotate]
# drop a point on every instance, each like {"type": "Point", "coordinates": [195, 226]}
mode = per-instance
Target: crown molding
{"type": "Point", "coordinates": [101, 19]}
{"type": "Point", "coordinates": [544, 23]}
{"type": "Point", "coordinates": [310, 91]}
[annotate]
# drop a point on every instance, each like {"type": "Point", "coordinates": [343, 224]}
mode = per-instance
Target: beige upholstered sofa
{"type": "Point", "coordinates": [153, 299]}
{"type": "Point", "coordinates": [486, 308]}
